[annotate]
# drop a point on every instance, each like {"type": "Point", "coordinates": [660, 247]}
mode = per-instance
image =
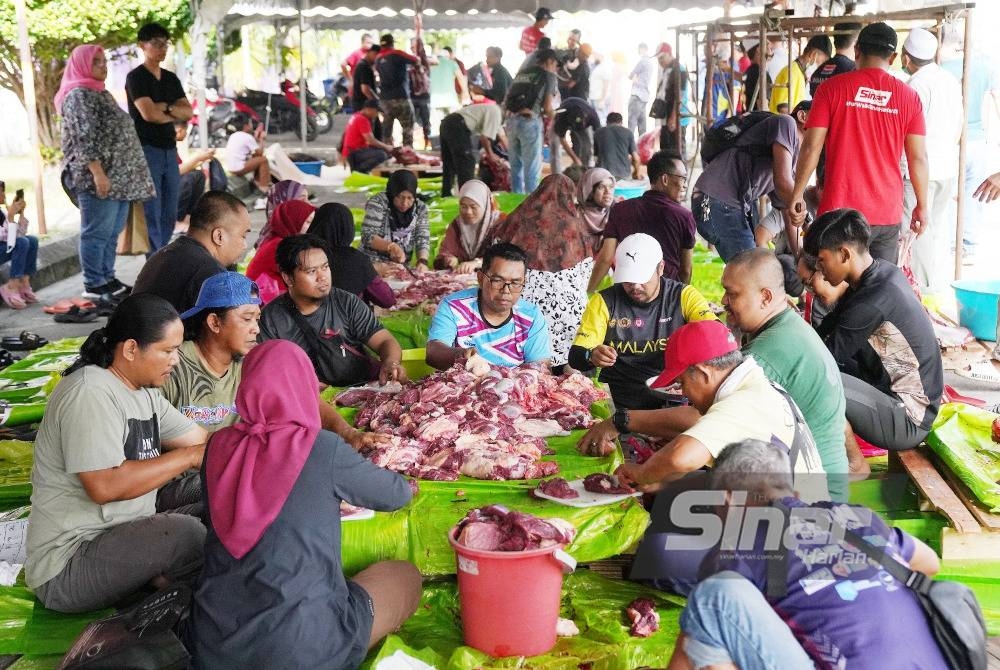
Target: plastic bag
{"type": "Point", "coordinates": [961, 437]}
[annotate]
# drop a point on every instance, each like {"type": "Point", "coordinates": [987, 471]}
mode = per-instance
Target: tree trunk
{"type": "Point", "coordinates": [48, 76]}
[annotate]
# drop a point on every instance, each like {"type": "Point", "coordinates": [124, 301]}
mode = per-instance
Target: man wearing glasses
{"type": "Point", "coordinates": [490, 320]}
{"type": "Point", "coordinates": [156, 101]}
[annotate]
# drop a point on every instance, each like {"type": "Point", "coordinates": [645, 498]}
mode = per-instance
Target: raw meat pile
{"type": "Point", "coordinates": [491, 426]}
{"type": "Point", "coordinates": [557, 487]}
{"type": "Point", "coordinates": [996, 430]}
{"type": "Point", "coordinates": [642, 614]}
{"type": "Point", "coordinates": [496, 528]}
{"type": "Point", "coordinates": [603, 483]}
{"type": "Point", "coordinates": [430, 286]}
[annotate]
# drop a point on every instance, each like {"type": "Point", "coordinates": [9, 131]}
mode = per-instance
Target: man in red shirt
{"type": "Point", "coordinates": [361, 150]}
{"type": "Point", "coordinates": [533, 33]}
{"type": "Point", "coordinates": [867, 118]}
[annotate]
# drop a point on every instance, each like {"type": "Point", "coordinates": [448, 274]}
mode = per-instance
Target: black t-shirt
{"type": "Point", "coordinates": [364, 73]}
{"type": "Point", "coordinates": [575, 114]}
{"type": "Point", "coordinates": [839, 64]}
{"type": "Point", "coordinates": [751, 80]}
{"type": "Point", "coordinates": [176, 272]}
{"type": "Point", "coordinates": [140, 83]}
{"type": "Point", "coordinates": [393, 75]}
{"type": "Point", "coordinates": [880, 333]}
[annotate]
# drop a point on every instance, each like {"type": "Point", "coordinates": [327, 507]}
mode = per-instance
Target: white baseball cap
{"type": "Point", "coordinates": [921, 44]}
{"type": "Point", "coordinates": [636, 259]}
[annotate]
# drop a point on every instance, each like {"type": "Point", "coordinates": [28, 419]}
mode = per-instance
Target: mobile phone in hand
{"type": "Point", "coordinates": [19, 194]}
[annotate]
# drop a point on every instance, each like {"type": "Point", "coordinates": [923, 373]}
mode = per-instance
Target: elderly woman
{"type": "Point", "coordinates": [547, 226]}
{"type": "Point", "coordinates": [350, 269]}
{"type": "Point", "coordinates": [107, 169]}
{"type": "Point", "coordinates": [469, 235]}
{"type": "Point", "coordinates": [283, 191]}
{"type": "Point", "coordinates": [290, 218]}
{"type": "Point", "coordinates": [595, 193]}
{"type": "Point", "coordinates": [273, 593]}
{"type": "Point", "coordinates": [396, 227]}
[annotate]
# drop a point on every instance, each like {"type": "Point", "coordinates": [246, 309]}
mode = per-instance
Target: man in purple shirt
{"type": "Point", "coordinates": [658, 213]}
{"type": "Point", "coordinates": [824, 603]}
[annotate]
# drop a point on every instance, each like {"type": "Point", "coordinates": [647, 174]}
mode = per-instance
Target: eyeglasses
{"type": "Point", "coordinates": [808, 283]}
{"type": "Point", "coordinates": [501, 284]}
{"type": "Point", "coordinates": [682, 177]}
{"type": "Point", "coordinates": [159, 43]}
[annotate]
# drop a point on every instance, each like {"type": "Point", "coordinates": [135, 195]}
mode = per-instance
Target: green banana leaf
{"type": "Point", "coordinates": [961, 437]}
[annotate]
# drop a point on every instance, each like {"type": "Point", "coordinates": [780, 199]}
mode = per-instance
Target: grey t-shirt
{"type": "Point", "coordinates": [193, 389]}
{"type": "Point", "coordinates": [92, 422]}
{"type": "Point", "coordinates": [746, 173]}
{"type": "Point", "coordinates": [614, 146]}
{"type": "Point", "coordinates": [343, 322]}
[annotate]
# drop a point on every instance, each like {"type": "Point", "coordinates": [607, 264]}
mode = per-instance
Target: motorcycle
{"type": "Point", "coordinates": [323, 108]}
{"type": "Point", "coordinates": [220, 114]}
{"type": "Point", "coordinates": [281, 111]}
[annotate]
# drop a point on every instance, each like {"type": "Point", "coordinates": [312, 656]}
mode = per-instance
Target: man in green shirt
{"type": "Point", "coordinates": [792, 355]}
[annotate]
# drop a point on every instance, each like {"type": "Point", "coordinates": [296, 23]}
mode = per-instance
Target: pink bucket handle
{"type": "Point", "coordinates": [567, 562]}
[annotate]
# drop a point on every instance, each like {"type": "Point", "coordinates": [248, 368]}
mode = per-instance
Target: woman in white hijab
{"type": "Point", "coordinates": [468, 236]}
{"type": "Point", "coordinates": [595, 194]}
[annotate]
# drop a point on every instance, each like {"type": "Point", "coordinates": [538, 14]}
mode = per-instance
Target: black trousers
{"type": "Point", "coordinates": [191, 187]}
{"type": "Point", "coordinates": [457, 157]}
{"type": "Point", "coordinates": [364, 160]}
{"type": "Point", "coordinates": [668, 141]}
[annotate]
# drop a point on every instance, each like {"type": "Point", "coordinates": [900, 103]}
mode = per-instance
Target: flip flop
{"type": "Point", "coordinates": [26, 341]}
{"type": "Point", "coordinates": [83, 303]}
{"type": "Point", "coordinates": [59, 307]}
{"type": "Point", "coordinates": [76, 315]}
{"type": "Point", "coordinates": [952, 395]}
{"type": "Point", "coordinates": [983, 371]}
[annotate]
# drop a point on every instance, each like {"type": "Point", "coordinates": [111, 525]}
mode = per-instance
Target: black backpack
{"type": "Point", "coordinates": [725, 134]}
{"type": "Point", "coordinates": [525, 90]}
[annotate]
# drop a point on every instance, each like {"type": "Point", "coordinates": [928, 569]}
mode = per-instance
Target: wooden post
{"type": "Point", "coordinates": [762, 59]}
{"type": "Point", "coordinates": [28, 83]}
{"type": "Point", "coordinates": [303, 116]}
{"type": "Point", "coordinates": [962, 145]}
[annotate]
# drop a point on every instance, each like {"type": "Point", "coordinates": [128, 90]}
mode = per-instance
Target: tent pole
{"type": "Point", "coordinates": [303, 117]}
{"type": "Point", "coordinates": [679, 131]}
{"type": "Point", "coordinates": [200, 71]}
{"type": "Point", "coordinates": [963, 146]}
{"type": "Point", "coordinates": [220, 48]}
{"type": "Point", "coordinates": [762, 57]}
{"type": "Point", "coordinates": [28, 83]}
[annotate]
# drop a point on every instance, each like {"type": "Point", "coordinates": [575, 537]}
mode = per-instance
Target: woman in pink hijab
{"type": "Point", "coordinates": [272, 591]}
{"type": "Point", "coordinates": [106, 166]}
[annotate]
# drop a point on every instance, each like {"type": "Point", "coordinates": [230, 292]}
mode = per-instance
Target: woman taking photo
{"type": "Point", "coordinates": [396, 226]}
{"type": "Point", "coordinates": [468, 236]}
{"type": "Point", "coordinates": [595, 193]}
{"type": "Point", "coordinates": [95, 534]}
{"type": "Point", "coordinates": [350, 269]}
{"type": "Point", "coordinates": [107, 169]}
{"type": "Point", "coordinates": [23, 254]}
{"type": "Point", "coordinates": [273, 593]}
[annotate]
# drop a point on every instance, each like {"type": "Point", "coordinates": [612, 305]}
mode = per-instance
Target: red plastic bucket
{"type": "Point", "coordinates": [509, 600]}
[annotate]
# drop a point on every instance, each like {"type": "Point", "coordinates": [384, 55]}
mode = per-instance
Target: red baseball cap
{"type": "Point", "coordinates": [691, 344]}
{"type": "Point", "coordinates": [664, 48]}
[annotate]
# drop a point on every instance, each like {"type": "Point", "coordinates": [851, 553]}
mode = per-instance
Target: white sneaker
{"type": "Point", "coordinates": [260, 203]}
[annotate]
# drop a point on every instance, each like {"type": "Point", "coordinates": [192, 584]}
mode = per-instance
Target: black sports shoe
{"type": "Point", "coordinates": [117, 289]}
{"type": "Point", "coordinates": [95, 292]}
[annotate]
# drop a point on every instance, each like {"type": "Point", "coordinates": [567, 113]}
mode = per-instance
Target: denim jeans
{"type": "Point", "coordinates": [101, 220]}
{"type": "Point", "coordinates": [728, 620]}
{"type": "Point", "coordinates": [524, 139]}
{"type": "Point", "coordinates": [726, 227]}
{"type": "Point", "coordinates": [161, 211]}
{"type": "Point", "coordinates": [23, 257]}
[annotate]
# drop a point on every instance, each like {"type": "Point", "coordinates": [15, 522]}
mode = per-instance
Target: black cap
{"type": "Point", "coordinates": [878, 35]}
{"type": "Point", "coordinates": [370, 104]}
{"type": "Point", "coordinates": [820, 43]}
{"type": "Point", "coordinates": [543, 13]}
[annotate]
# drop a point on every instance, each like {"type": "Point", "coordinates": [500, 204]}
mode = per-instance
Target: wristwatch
{"type": "Point", "coordinates": [167, 110]}
{"type": "Point", "coordinates": [620, 420]}
{"type": "Point", "coordinates": [586, 355]}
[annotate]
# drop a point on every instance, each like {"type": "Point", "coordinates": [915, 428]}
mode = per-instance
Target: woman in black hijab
{"type": "Point", "coordinates": [351, 270]}
{"type": "Point", "coordinates": [396, 225]}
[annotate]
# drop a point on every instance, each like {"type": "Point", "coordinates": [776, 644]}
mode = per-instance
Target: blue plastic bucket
{"type": "Point", "coordinates": [631, 188]}
{"type": "Point", "coordinates": [977, 306]}
{"type": "Point", "coordinates": [310, 167]}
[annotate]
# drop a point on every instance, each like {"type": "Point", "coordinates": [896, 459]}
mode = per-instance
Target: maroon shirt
{"type": "Point", "coordinates": [655, 214]}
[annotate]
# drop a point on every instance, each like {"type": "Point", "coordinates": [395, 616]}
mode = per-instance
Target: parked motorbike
{"type": "Point", "coordinates": [323, 108]}
{"type": "Point", "coordinates": [220, 113]}
{"type": "Point", "coordinates": [281, 111]}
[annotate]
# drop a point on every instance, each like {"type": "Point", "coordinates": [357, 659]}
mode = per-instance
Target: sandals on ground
{"type": "Point", "coordinates": [26, 341]}
{"type": "Point", "coordinates": [984, 371]}
{"type": "Point", "coordinates": [76, 315]}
